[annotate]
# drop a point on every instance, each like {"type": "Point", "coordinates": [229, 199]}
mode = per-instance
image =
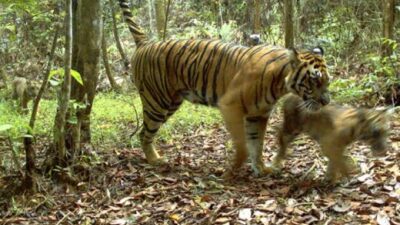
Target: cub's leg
{"type": "Point", "coordinates": [285, 137]}
{"type": "Point", "coordinates": [337, 165]}
{"type": "Point", "coordinates": [235, 125]}
{"type": "Point", "coordinates": [255, 131]}
{"type": "Point", "coordinates": [154, 115]}
{"type": "Point", "coordinates": [24, 102]}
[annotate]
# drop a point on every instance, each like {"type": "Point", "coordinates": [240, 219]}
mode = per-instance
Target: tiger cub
{"type": "Point", "coordinates": [333, 127]}
{"type": "Point", "coordinates": [23, 91]}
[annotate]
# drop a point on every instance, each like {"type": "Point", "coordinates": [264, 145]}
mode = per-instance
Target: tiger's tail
{"type": "Point", "coordinates": [138, 35]}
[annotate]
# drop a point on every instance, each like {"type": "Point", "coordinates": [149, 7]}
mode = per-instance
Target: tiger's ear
{"type": "Point", "coordinates": [294, 57]}
{"type": "Point", "coordinates": [318, 51]}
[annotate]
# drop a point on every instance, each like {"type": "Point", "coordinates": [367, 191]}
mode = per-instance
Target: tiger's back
{"type": "Point", "coordinates": [201, 70]}
{"type": "Point", "coordinates": [195, 69]}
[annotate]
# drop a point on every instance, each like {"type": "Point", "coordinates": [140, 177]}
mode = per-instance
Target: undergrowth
{"type": "Point", "coordinates": [113, 119]}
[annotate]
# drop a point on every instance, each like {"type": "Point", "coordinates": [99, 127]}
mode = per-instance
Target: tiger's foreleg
{"type": "Point", "coordinates": [255, 131]}
{"type": "Point", "coordinates": [235, 126]}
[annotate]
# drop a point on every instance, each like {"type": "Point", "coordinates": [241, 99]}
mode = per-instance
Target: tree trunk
{"type": "Point", "coordinates": [166, 20]}
{"type": "Point", "coordinates": [254, 16]}
{"type": "Point", "coordinates": [257, 17]}
{"type": "Point", "coordinates": [288, 11]}
{"type": "Point", "coordinates": [159, 7]}
{"type": "Point", "coordinates": [151, 15]}
{"type": "Point", "coordinates": [299, 16]}
{"type": "Point", "coordinates": [116, 36]}
{"type": "Point", "coordinates": [64, 94]}
{"type": "Point", "coordinates": [3, 77]}
{"type": "Point", "coordinates": [110, 77]}
{"type": "Point", "coordinates": [89, 34]}
{"type": "Point", "coordinates": [220, 13]}
{"type": "Point", "coordinates": [388, 25]}
{"type": "Point", "coordinates": [30, 154]}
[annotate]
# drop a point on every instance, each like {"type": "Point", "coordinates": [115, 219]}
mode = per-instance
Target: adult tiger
{"type": "Point", "coordinates": [244, 83]}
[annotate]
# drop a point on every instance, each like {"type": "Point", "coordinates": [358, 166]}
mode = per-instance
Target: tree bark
{"type": "Point", "coordinates": [64, 94]}
{"type": "Point", "coordinates": [299, 16]}
{"type": "Point", "coordinates": [89, 34]}
{"type": "Point", "coordinates": [257, 17]}
{"type": "Point", "coordinates": [288, 12]}
{"type": "Point", "coordinates": [254, 16]}
{"type": "Point", "coordinates": [388, 25]}
{"type": "Point", "coordinates": [220, 13]}
{"type": "Point", "coordinates": [109, 74]}
{"type": "Point", "coordinates": [116, 36]}
{"type": "Point", "coordinates": [151, 15]}
{"type": "Point", "coordinates": [166, 19]}
{"type": "Point", "coordinates": [30, 154]}
{"type": "Point", "coordinates": [3, 77]}
{"type": "Point", "coordinates": [159, 7]}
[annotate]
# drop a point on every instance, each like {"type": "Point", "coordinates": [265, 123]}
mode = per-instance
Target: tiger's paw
{"type": "Point", "coordinates": [329, 180]}
{"type": "Point", "coordinates": [228, 175]}
{"type": "Point", "coordinates": [277, 165]}
{"type": "Point", "coordinates": [160, 161]}
{"type": "Point", "coordinates": [262, 170]}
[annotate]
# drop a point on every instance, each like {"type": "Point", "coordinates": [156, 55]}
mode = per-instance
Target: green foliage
{"type": "Point", "coordinates": [56, 76]}
{"type": "Point", "coordinates": [13, 124]}
{"type": "Point", "coordinates": [188, 118]}
{"type": "Point", "coordinates": [369, 88]}
{"type": "Point", "coordinates": [5, 127]}
{"type": "Point", "coordinates": [113, 119]}
{"type": "Point", "coordinates": [227, 32]}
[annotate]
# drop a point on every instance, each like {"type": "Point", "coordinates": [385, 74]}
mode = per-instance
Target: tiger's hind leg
{"type": "Point", "coordinates": [153, 118]}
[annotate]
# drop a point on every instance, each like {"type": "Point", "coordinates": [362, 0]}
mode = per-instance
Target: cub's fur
{"type": "Point", "coordinates": [23, 91]}
{"type": "Point", "coordinates": [334, 127]}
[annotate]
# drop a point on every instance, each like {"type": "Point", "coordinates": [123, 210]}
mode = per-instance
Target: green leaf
{"type": "Point", "coordinates": [77, 76]}
{"type": "Point", "coordinates": [54, 82]}
{"type": "Point", "coordinates": [27, 136]}
{"type": "Point", "coordinates": [59, 71]}
{"type": "Point", "coordinates": [10, 28]}
{"type": "Point", "coordinates": [5, 127]}
{"type": "Point", "coordinates": [73, 120]}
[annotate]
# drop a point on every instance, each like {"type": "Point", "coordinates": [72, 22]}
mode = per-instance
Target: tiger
{"type": "Point", "coordinates": [334, 127]}
{"type": "Point", "coordinates": [23, 91]}
{"type": "Point", "coordinates": [244, 83]}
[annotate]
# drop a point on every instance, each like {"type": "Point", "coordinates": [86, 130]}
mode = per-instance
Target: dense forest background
{"type": "Point", "coordinates": [351, 32]}
{"type": "Point", "coordinates": [101, 176]}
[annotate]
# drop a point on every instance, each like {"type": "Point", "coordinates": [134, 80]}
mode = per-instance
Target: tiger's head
{"type": "Point", "coordinates": [375, 129]}
{"type": "Point", "coordinates": [310, 78]}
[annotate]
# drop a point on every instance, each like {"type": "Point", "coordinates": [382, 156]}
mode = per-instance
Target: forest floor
{"type": "Point", "coordinates": [123, 189]}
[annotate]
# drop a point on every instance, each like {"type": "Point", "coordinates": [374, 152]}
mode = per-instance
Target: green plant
{"type": "Point", "coordinates": [373, 86]}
